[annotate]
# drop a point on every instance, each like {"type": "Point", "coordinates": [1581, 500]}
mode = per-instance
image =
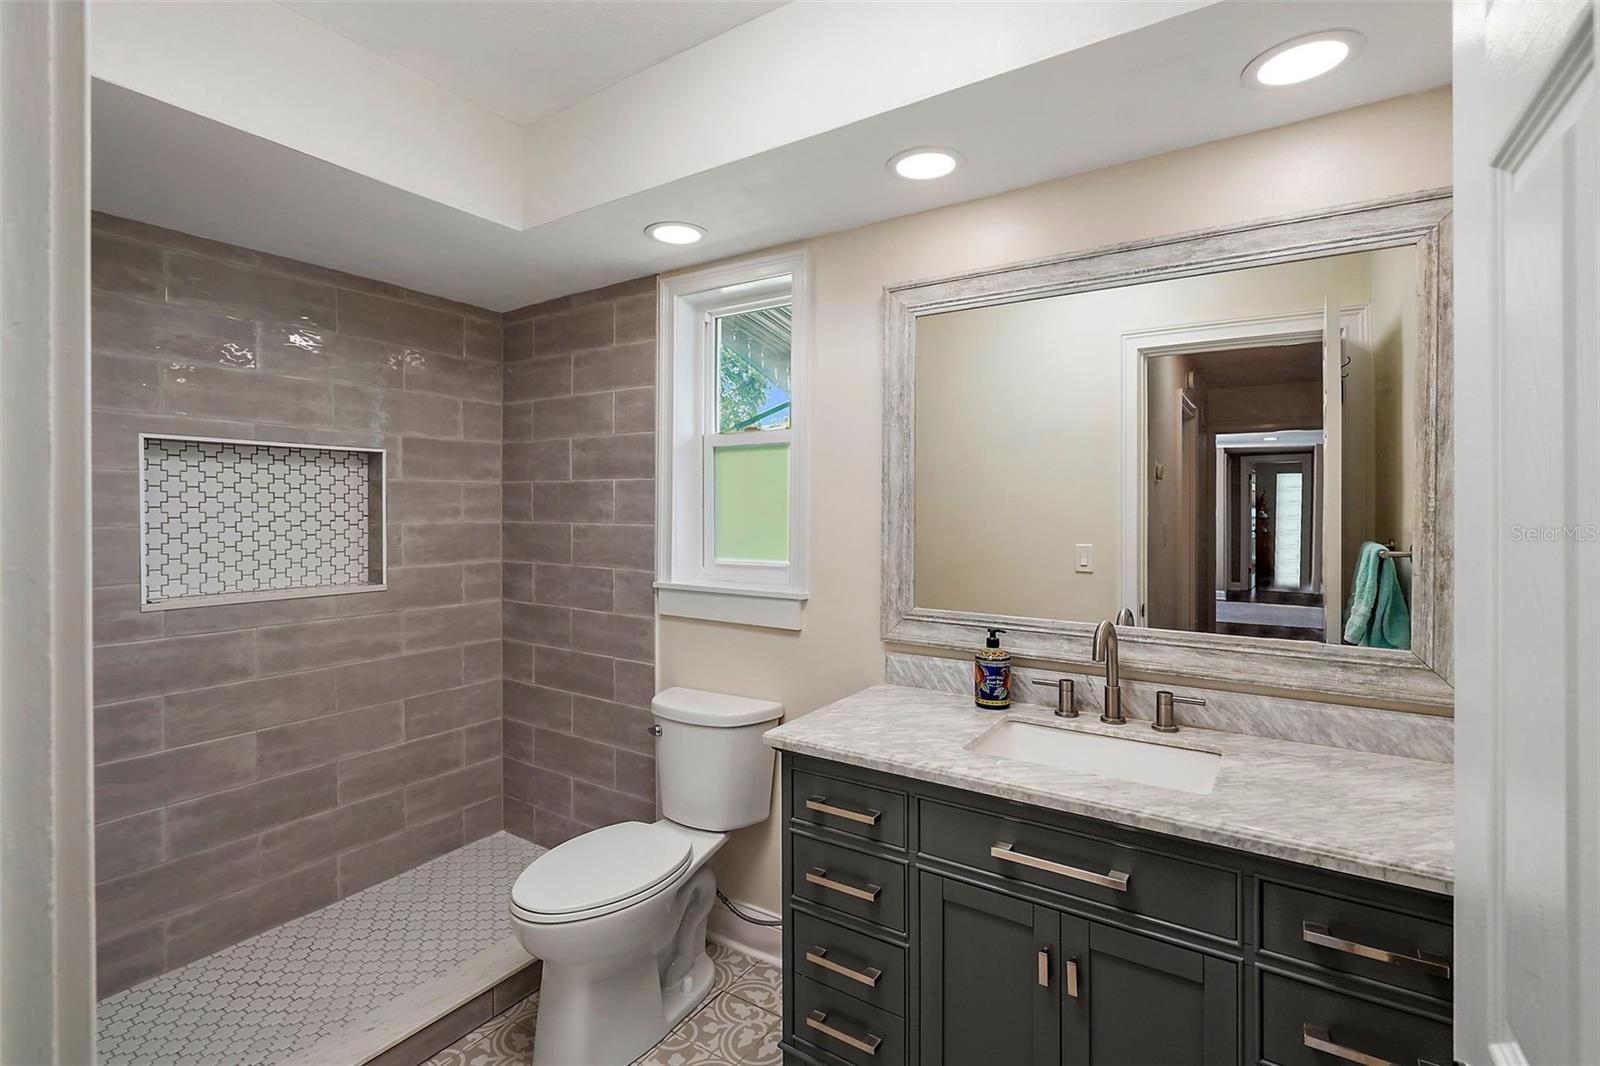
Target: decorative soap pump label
{"type": "Point", "coordinates": [991, 674]}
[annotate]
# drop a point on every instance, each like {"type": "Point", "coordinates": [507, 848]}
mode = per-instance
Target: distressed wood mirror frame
{"type": "Point", "coordinates": [1420, 677]}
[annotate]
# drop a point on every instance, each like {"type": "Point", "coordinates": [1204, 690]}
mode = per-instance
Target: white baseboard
{"type": "Point", "coordinates": [764, 942]}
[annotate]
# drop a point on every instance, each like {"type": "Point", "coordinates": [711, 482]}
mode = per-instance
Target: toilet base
{"type": "Point", "coordinates": [681, 1000]}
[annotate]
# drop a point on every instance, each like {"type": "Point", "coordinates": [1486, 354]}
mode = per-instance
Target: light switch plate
{"type": "Point", "coordinates": [1083, 555]}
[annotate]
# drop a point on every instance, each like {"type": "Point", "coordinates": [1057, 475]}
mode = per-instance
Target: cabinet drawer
{"type": "Point", "coordinates": [1397, 949]}
{"type": "Point", "coordinates": [849, 881]}
{"type": "Point", "coordinates": [1140, 882]}
{"type": "Point", "coordinates": [846, 961]}
{"type": "Point", "coordinates": [846, 1027]}
{"type": "Point", "coordinates": [874, 814]}
{"type": "Point", "coordinates": [1302, 1025]}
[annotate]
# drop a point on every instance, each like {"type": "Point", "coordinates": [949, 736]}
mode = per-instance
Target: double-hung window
{"type": "Point", "coordinates": [731, 501]}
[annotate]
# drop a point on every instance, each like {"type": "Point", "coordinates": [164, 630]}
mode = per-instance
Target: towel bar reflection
{"type": "Point", "coordinates": [1390, 553]}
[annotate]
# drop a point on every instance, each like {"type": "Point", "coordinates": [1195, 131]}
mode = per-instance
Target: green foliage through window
{"type": "Point", "coordinates": [753, 361]}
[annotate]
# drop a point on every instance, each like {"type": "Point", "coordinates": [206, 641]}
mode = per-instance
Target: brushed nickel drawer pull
{"type": "Point", "coordinates": [1115, 879]}
{"type": "Point", "coordinates": [819, 876]}
{"type": "Point", "coordinates": [1316, 1038]}
{"type": "Point", "coordinates": [818, 1020]}
{"type": "Point", "coordinates": [1044, 969]}
{"type": "Point", "coordinates": [1072, 978]}
{"type": "Point", "coordinates": [868, 976]}
{"type": "Point", "coordinates": [821, 805]}
{"type": "Point", "coordinates": [1432, 965]}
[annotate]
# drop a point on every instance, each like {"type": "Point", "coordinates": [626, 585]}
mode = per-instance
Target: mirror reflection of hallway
{"type": "Point", "coordinates": [1232, 528]}
{"type": "Point", "coordinates": [1137, 410]}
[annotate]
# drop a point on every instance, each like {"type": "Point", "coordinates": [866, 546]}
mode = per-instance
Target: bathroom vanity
{"type": "Point", "coordinates": [949, 904]}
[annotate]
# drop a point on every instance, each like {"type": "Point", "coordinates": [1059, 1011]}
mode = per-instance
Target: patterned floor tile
{"type": "Point", "coordinates": [509, 1043]}
{"type": "Point", "coordinates": [676, 1047]}
{"type": "Point", "coordinates": [724, 1031]}
{"type": "Point", "coordinates": [266, 1000]}
{"type": "Point", "coordinates": [727, 964]}
{"type": "Point", "coordinates": [730, 1027]}
{"type": "Point", "coordinates": [761, 985]}
{"type": "Point", "coordinates": [683, 1054]}
{"type": "Point", "coordinates": [768, 1053]}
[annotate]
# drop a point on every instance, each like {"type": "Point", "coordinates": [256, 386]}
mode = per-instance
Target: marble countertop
{"type": "Point", "coordinates": [1381, 817]}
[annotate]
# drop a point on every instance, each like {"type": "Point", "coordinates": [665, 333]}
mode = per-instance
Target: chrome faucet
{"type": "Point", "coordinates": [1105, 651]}
{"type": "Point", "coordinates": [1125, 617]}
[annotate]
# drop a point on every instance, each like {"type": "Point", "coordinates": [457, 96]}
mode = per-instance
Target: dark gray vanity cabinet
{"type": "Point", "coordinates": [1004, 980]}
{"type": "Point", "coordinates": [991, 971]}
{"type": "Point", "coordinates": [931, 925]}
{"type": "Point", "coordinates": [1143, 1000]}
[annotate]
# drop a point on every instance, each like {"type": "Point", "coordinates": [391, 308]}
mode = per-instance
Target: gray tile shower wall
{"type": "Point", "coordinates": [258, 761]}
{"type": "Point", "coordinates": [579, 462]}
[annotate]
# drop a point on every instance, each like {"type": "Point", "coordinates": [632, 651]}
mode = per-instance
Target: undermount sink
{"type": "Point", "coordinates": [1125, 759]}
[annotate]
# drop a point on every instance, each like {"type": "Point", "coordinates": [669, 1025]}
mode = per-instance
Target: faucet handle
{"type": "Point", "coordinates": [1066, 697]}
{"type": "Point", "coordinates": [1166, 721]}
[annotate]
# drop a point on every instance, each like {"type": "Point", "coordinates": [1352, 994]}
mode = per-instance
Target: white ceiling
{"type": "Point", "coordinates": [1131, 94]}
{"type": "Point", "coordinates": [527, 60]}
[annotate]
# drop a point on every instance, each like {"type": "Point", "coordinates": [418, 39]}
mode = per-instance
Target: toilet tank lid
{"type": "Point", "coordinates": [694, 706]}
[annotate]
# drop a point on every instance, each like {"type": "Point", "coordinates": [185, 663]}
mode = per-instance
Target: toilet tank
{"type": "Point", "coordinates": [713, 771]}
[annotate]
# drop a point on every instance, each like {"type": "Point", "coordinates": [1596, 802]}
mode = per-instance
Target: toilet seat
{"type": "Point", "coordinates": [600, 872]}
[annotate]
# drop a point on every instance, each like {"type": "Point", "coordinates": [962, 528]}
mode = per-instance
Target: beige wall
{"type": "Point", "coordinates": [1382, 150]}
{"type": "Point", "coordinates": [1395, 347]}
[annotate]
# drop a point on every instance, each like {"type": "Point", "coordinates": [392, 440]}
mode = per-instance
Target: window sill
{"type": "Point", "coordinates": [767, 608]}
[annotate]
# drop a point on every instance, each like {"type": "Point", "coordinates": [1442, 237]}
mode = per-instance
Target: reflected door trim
{"type": "Point", "coordinates": [1140, 346]}
{"type": "Point", "coordinates": [1420, 678]}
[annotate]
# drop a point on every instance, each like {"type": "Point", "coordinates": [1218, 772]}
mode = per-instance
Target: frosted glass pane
{"type": "Point", "coordinates": [752, 503]}
{"type": "Point", "coordinates": [1286, 549]}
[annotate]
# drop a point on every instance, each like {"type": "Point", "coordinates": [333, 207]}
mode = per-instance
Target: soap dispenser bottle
{"type": "Point", "coordinates": [991, 674]}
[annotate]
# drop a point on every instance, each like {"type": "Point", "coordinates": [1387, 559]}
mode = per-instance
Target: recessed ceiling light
{"type": "Point", "coordinates": [1301, 59]}
{"type": "Point", "coordinates": [1269, 438]}
{"type": "Point", "coordinates": [924, 164]}
{"type": "Point", "coordinates": [674, 232]}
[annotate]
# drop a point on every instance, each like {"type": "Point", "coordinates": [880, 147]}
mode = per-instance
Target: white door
{"type": "Point", "coordinates": [1330, 478]}
{"type": "Point", "coordinates": [1527, 481]}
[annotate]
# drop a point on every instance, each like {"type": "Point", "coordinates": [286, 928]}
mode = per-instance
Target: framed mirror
{"type": "Point", "coordinates": [1239, 438]}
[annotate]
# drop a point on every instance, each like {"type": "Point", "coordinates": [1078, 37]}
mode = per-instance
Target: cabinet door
{"type": "Point", "coordinates": [1144, 1002]}
{"type": "Point", "coordinates": [990, 977]}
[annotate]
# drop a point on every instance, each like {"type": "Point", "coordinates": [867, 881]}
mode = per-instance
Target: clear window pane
{"type": "Point", "coordinates": [752, 503]}
{"type": "Point", "coordinates": [753, 370]}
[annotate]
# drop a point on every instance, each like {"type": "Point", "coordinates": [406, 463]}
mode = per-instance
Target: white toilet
{"type": "Point", "coordinates": [619, 914]}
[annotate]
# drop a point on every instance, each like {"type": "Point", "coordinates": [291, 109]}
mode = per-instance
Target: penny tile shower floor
{"type": "Point", "coordinates": [737, 1025]}
{"type": "Point", "coordinates": [268, 999]}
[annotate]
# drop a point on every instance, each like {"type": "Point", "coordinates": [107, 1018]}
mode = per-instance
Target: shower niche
{"type": "Point", "coordinates": [236, 521]}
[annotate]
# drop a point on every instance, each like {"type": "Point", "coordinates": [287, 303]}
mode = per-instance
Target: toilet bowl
{"type": "Point", "coordinates": [618, 914]}
{"type": "Point", "coordinates": [605, 911]}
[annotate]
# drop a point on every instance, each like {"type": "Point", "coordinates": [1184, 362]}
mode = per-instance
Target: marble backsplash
{"type": "Point", "coordinates": [1416, 736]}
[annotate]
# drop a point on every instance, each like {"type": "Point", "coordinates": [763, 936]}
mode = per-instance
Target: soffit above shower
{"type": "Point", "coordinates": [523, 61]}
{"type": "Point", "coordinates": [366, 137]}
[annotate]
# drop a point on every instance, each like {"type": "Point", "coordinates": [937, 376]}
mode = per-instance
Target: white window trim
{"type": "Point", "coordinates": [687, 584]}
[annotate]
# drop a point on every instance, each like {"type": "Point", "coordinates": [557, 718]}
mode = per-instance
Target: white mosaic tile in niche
{"type": "Point", "coordinates": [242, 519]}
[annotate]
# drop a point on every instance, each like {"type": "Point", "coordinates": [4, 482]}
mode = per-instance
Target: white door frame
{"type": "Point", "coordinates": [1138, 348]}
{"type": "Point", "coordinates": [47, 927]}
{"type": "Point", "coordinates": [1527, 463]}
